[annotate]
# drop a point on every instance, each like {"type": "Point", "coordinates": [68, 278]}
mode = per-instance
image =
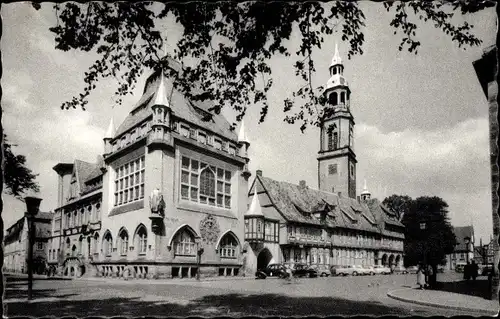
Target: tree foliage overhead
{"type": "Point", "coordinates": [436, 240]}
{"type": "Point", "coordinates": [17, 177]}
{"type": "Point", "coordinates": [232, 44]}
{"type": "Point", "coordinates": [400, 204]}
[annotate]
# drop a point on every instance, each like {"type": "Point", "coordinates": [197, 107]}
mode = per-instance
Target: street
{"type": "Point", "coordinates": [231, 297]}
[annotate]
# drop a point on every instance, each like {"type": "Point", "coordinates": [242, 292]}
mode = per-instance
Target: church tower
{"type": "Point", "coordinates": [336, 157]}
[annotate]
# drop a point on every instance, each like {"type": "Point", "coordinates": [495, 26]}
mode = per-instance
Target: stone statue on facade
{"type": "Point", "coordinates": [156, 203]}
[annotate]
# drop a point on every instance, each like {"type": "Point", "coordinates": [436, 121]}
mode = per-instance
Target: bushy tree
{"type": "Point", "coordinates": [433, 242]}
{"type": "Point", "coordinates": [399, 204]}
{"type": "Point", "coordinates": [231, 44]}
{"type": "Point", "coordinates": [17, 177]}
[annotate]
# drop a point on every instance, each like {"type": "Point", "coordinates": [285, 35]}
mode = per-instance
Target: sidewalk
{"type": "Point", "coordinates": [445, 299]}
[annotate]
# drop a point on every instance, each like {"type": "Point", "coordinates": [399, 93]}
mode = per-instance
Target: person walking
{"type": "Point", "coordinates": [430, 276]}
{"type": "Point", "coordinates": [420, 276]}
{"type": "Point", "coordinates": [467, 271]}
{"type": "Point", "coordinates": [474, 269]}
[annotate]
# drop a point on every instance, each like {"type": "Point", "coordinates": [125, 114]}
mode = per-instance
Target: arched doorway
{"type": "Point", "coordinates": [391, 261]}
{"type": "Point", "coordinates": [264, 258]}
{"type": "Point", "coordinates": [384, 260]}
{"type": "Point", "coordinates": [398, 260]}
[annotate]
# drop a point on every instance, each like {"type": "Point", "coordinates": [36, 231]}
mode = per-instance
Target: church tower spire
{"type": "Point", "coordinates": [336, 157]}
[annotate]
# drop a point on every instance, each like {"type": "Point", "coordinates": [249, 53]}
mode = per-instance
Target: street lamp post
{"type": "Point", "coordinates": [32, 207]}
{"type": "Point", "coordinates": [423, 227]}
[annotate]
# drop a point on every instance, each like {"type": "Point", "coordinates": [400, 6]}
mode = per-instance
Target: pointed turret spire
{"type": "Point", "coordinates": [336, 57]}
{"type": "Point", "coordinates": [255, 209]}
{"type": "Point", "coordinates": [242, 136]}
{"type": "Point", "coordinates": [161, 94]}
{"type": "Point", "coordinates": [110, 133]}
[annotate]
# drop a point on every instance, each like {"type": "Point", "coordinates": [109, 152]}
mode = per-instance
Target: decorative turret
{"type": "Point", "coordinates": [160, 126]}
{"type": "Point", "coordinates": [110, 133]}
{"type": "Point", "coordinates": [254, 220]}
{"type": "Point", "coordinates": [337, 89]}
{"type": "Point", "coordinates": [365, 195]}
{"type": "Point", "coordinates": [243, 145]}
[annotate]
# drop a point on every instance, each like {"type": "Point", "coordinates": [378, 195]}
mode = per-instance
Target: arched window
{"type": "Point", "coordinates": [96, 243]}
{"type": "Point", "coordinates": [334, 98]}
{"type": "Point", "coordinates": [75, 218]}
{"type": "Point", "coordinates": [184, 243]}
{"type": "Point", "coordinates": [68, 243]}
{"type": "Point", "coordinates": [207, 186]}
{"type": "Point", "coordinates": [228, 246]}
{"type": "Point", "coordinates": [141, 239]}
{"type": "Point", "coordinates": [342, 97]}
{"type": "Point", "coordinates": [80, 245]}
{"type": "Point", "coordinates": [123, 238]}
{"type": "Point", "coordinates": [97, 212]}
{"type": "Point", "coordinates": [108, 244]}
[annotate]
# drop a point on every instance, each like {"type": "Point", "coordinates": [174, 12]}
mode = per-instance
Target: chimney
{"type": "Point", "coordinates": [339, 193]}
{"type": "Point", "coordinates": [259, 172]}
{"type": "Point", "coordinates": [302, 184]}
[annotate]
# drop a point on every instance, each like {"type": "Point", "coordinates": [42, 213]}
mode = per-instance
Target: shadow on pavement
{"type": "Point", "coordinates": [21, 292]}
{"type": "Point", "coordinates": [212, 305]}
{"type": "Point", "coordinates": [10, 278]}
{"type": "Point", "coordinates": [477, 288]}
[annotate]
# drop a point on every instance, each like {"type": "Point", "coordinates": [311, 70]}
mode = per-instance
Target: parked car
{"type": "Point", "coordinates": [459, 267]}
{"type": "Point", "coordinates": [272, 270]}
{"type": "Point", "coordinates": [380, 269]}
{"type": "Point", "coordinates": [323, 270]}
{"type": "Point", "coordinates": [334, 270]}
{"type": "Point", "coordinates": [302, 270]}
{"type": "Point", "coordinates": [400, 270]}
{"type": "Point", "coordinates": [344, 270]}
{"type": "Point", "coordinates": [485, 270]}
{"type": "Point", "coordinates": [412, 269]}
{"type": "Point", "coordinates": [367, 270]}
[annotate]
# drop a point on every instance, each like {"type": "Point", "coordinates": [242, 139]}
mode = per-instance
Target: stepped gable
{"type": "Point", "coordinates": [297, 204]}
{"type": "Point", "coordinates": [190, 111]}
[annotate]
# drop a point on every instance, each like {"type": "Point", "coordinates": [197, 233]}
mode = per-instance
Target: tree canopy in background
{"type": "Point", "coordinates": [226, 47]}
{"type": "Point", "coordinates": [17, 177]}
{"type": "Point", "coordinates": [436, 240]}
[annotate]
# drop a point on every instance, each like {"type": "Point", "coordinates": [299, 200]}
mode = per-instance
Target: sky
{"type": "Point", "coordinates": [421, 120]}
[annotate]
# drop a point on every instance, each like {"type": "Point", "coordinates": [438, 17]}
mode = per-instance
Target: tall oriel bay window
{"type": "Point", "coordinates": [204, 183]}
{"type": "Point", "coordinates": [129, 182]}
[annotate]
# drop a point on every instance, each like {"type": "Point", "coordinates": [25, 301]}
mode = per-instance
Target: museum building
{"type": "Point", "coordinates": [166, 198]}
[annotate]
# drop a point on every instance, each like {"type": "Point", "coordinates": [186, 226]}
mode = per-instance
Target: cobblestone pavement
{"type": "Point", "coordinates": [315, 296]}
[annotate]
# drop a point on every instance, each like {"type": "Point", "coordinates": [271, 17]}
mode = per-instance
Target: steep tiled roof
{"type": "Point", "coordinates": [183, 108]}
{"type": "Point", "coordinates": [43, 230]}
{"type": "Point", "coordinates": [84, 170]}
{"type": "Point", "coordinates": [296, 204]}
{"type": "Point", "coordinates": [14, 231]}
{"type": "Point", "coordinates": [460, 233]}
